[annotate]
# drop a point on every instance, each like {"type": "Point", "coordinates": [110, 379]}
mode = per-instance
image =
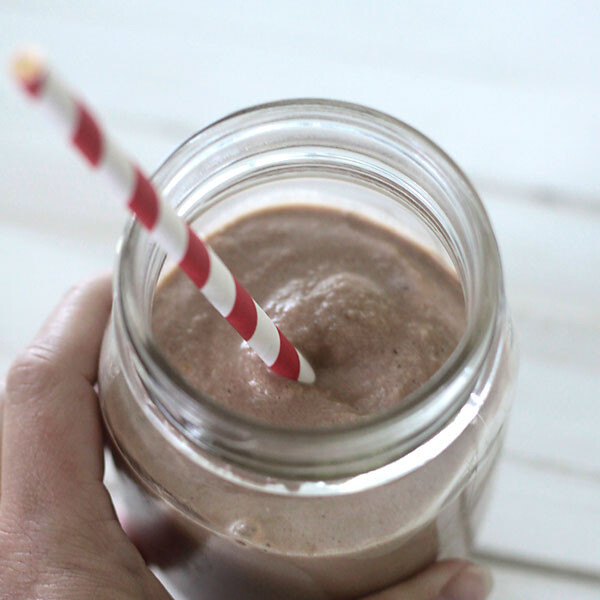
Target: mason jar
{"type": "Point", "coordinates": [230, 507]}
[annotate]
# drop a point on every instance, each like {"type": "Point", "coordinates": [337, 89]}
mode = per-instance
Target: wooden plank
{"type": "Point", "coordinates": [551, 255]}
{"type": "Point", "coordinates": [551, 258]}
{"type": "Point", "coordinates": [503, 98]}
{"type": "Point", "coordinates": [515, 582]}
{"type": "Point", "coordinates": [543, 516]}
{"type": "Point", "coordinates": [555, 417]}
{"type": "Point", "coordinates": [544, 509]}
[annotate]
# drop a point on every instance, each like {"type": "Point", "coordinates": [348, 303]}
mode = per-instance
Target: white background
{"type": "Point", "coordinates": [511, 90]}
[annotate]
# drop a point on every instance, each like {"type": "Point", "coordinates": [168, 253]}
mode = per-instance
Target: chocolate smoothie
{"type": "Point", "coordinates": [375, 315]}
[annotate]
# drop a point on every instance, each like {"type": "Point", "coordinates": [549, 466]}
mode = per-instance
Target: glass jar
{"type": "Point", "coordinates": [228, 507]}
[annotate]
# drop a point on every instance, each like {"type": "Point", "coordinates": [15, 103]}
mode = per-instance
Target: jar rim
{"type": "Point", "coordinates": [396, 433]}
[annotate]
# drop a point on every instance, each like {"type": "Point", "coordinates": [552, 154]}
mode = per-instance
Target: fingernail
{"type": "Point", "coordinates": [472, 583]}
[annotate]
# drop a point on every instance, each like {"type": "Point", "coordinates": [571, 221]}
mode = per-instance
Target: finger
{"type": "Point", "coordinates": [447, 580]}
{"type": "Point", "coordinates": [52, 443]}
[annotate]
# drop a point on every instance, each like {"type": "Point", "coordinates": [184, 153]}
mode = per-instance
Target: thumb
{"type": "Point", "coordinates": [447, 580]}
{"type": "Point", "coordinates": [52, 436]}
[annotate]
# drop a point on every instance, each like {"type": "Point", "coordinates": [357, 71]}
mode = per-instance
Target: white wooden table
{"type": "Point", "coordinates": [511, 92]}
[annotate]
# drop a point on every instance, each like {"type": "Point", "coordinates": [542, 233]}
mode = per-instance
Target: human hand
{"type": "Point", "coordinates": [60, 538]}
{"type": "Point", "coordinates": [59, 534]}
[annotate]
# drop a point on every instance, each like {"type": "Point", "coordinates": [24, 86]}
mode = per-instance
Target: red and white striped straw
{"type": "Point", "coordinates": [167, 228]}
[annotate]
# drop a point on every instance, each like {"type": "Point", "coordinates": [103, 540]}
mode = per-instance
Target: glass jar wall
{"type": "Point", "coordinates": [228, 505]}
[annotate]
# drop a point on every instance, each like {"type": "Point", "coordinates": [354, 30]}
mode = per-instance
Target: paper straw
{"type": "Point", "coordinates": [167, 228]}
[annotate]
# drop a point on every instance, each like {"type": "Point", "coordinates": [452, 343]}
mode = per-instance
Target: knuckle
{"type": "Point", "coordinates": [21, 555]}
{"type": "Point", "coordinates": [80, 289]}
{"type": "Point", "coordinates": [31, 373]}
{"type": "Point", "coordinates": [74, 291]}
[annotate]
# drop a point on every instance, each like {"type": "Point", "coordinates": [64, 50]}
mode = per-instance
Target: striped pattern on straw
{"type": "Point", "coordinates": [167, 228]}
